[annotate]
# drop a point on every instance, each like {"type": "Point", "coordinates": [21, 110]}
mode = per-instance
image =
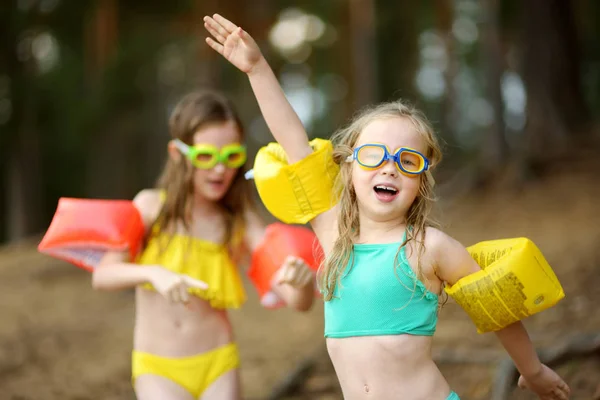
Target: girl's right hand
{"type": "Point", "coordinates": [173, 286]}
{"type": "Point", "coordinates": [233, 43]}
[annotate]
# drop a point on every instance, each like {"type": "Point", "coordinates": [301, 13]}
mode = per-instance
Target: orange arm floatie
{"type": "Point", "coordinates": [281, 241]}
{"type": "Point", "coordinates": [82, 230]}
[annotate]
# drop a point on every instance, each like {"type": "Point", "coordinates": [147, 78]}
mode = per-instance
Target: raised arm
{"type": "Point", "coordinates": [238, 47]}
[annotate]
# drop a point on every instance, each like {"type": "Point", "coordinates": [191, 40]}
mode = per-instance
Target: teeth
{"type": "Point", "coordinates": [385, 188]}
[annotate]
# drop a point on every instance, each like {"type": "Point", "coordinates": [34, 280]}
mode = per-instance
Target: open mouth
{"type": "Point", "coordinates": [385, 192]}
{"type": "Point", "coordinates": [216, 183]}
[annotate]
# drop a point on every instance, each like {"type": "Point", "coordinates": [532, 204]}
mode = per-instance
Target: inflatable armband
{"type": "Point", "coordinates": [281, 241]}
{"type": "Point", "coordinates": [83, 230]}
{"type": "Point", "coordinates": [516, 282]}
{"type": "Point", "coordinates": [296, 193]}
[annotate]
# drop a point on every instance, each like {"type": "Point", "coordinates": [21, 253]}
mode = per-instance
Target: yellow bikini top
{"type": "Point", "coordinates": [200, 259]}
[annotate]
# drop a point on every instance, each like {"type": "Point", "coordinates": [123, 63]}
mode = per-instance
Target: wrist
{"type": "Point", "coordinates": [531, 371]}
{"type": "Point", "coordinates": [260, 67]}
{"type": "Point", "coordinates": [150, 272]}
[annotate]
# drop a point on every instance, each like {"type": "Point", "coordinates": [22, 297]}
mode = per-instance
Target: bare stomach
{"type": "Point", "coordinates": [177, 330]}
{"type": "Point", "coordinates": [387, 367]}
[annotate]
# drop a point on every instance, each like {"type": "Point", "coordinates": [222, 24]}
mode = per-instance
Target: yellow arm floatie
{"type": "Point", "coordinates": [515, 282]}
{"type": "Point", "coordinates": [296, 193]}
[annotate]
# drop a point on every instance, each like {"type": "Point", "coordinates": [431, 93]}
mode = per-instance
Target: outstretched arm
{"type": "Point", "coordinates": [453, 262]}
{"type": "Point", "coordinates": [238, 47]}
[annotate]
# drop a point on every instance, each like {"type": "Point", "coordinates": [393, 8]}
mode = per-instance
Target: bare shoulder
{"type": "Point", "coordinates": [437, 241]}
{"type": "Point", "coordinates": [254, 229]}
{"type": "Point", "coordinates": [451, 259]}
{"type": "Point", "coordinates": [148, 202]}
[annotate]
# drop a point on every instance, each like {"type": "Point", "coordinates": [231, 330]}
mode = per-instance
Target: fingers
{"type": "Point", "coordinates": [174, 294]}
{"type": "Point", "coordinates": [295, 272]}
{"type": "Point", "coordinates": [246, 38]}
{"type": "Point", "coordinates": [216, 46]}
{"type": "Point", "coordinates": [286, 270]}
{"type": "Point", "coordinates": [564, 387]}
{"type": "Point", "coordinates": [194, 282]}
{"type": "Point", "coordinates": [562, 392]}
{"type": "Point", "coordinates": [184, 296]}
{"type": "Point", "coordinates": [177, 292]}
{"type": "Point", "coordinates": [215, 29]}
{"type": "Point", "coordinates": [225, 23]}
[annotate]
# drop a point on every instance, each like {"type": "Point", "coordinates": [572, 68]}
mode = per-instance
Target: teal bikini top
{"type": "Point", "coordinates": [372, 299]}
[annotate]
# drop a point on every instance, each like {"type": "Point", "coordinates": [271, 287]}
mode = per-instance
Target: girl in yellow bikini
{"type": "Point", "coordinates": [199, 222]}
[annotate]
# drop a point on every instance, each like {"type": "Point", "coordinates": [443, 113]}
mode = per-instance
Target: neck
{"type": "Point", "coordinates": [381, 231]}
{"type": "Point", "coordinates": [202, 206]}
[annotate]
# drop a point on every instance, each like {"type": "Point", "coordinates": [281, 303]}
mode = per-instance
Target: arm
{"type": "Point", "coordinates": [452, 262]}
{"type": "Point", "coordinates": [294, 280]}
{"type": "Point", "coordinates": [115, 272]}
{"type": "Point", "coordinates": [238, 47]}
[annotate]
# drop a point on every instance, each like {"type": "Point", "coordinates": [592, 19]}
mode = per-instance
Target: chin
{"type": "Point", "coordinates": [383, 211]}
{"type": "Point", "coordinates": [211, 195]}
{"type": "Point", "coordinates": [215, 196]}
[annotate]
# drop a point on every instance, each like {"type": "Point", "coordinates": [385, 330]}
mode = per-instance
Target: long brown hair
{"type": "Point", "coordinates": [418, 215]}
{"type": "Point", "coordinates": [194, 111]}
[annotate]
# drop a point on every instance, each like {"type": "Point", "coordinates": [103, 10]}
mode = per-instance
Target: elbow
{"type": "Point", "coordinates": [98, 281]}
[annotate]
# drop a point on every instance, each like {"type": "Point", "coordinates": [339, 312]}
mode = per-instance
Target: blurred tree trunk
{"type": "Point", "coordinates": [364, 52]}
{"type": "Point", "coordinates": [444, 13]}
{"type": "Point", "coordinates": [22, 180]}
{"type": "Point", "coordinates": [494, 150]}
{"type": "Point", "coordinates": [101, 32]}
{"type": "Point", "coordinates": [551, 71]}
{"type": "Point", "coordinates": [24, 198]}
{"type": "Point", "coordinates": [398, 30]}
{"type": "Point", "coordinates": [342, 59]}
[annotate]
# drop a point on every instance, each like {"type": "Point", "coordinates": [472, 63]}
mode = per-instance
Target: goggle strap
{"type": "Point", "coordinates": [429, 178]}
{"type": "Point", "coordinates": [184, 148]}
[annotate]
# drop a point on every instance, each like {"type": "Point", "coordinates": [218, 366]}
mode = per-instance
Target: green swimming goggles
{"type": "Point", "coordinates": [206, 156]}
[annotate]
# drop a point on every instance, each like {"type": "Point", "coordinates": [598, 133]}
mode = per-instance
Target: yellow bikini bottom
{"type": "Point", "coordinates": [194, 373]}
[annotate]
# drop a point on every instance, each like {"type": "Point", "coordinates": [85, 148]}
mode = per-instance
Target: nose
{"type": "Point", "coordinates": [219, 168]}
{"type": "Point", "coordinates": [389, 168]}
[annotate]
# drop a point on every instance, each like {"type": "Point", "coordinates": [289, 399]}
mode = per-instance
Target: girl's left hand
{"type": "Point", "coordinates": [233, 43]}
{"type": "Point", "coordinates": [546, 384]}
{"type": "Point", "coordinates": [294, 272]}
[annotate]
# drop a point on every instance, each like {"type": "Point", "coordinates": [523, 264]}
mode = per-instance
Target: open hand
{"type": "Point", "coordinates": [294, 272]}
{"type": "Point", "coordinates": [232, 42]}
{"type": "Point", "coordinates": [546, 384]}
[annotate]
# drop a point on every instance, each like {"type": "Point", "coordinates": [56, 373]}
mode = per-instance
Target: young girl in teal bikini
{"type": "Point", "coordinates": [385, 265]}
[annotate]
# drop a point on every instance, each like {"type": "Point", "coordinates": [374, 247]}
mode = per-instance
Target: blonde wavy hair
{"type": "Point", "coordinates": [418, 216]}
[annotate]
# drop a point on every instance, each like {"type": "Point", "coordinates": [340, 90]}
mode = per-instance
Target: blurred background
{"type": "Point", "coordinates": [86, 88]}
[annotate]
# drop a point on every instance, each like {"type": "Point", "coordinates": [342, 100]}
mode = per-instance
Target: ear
{"type": "Point", "coordinates": [174, 153]}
